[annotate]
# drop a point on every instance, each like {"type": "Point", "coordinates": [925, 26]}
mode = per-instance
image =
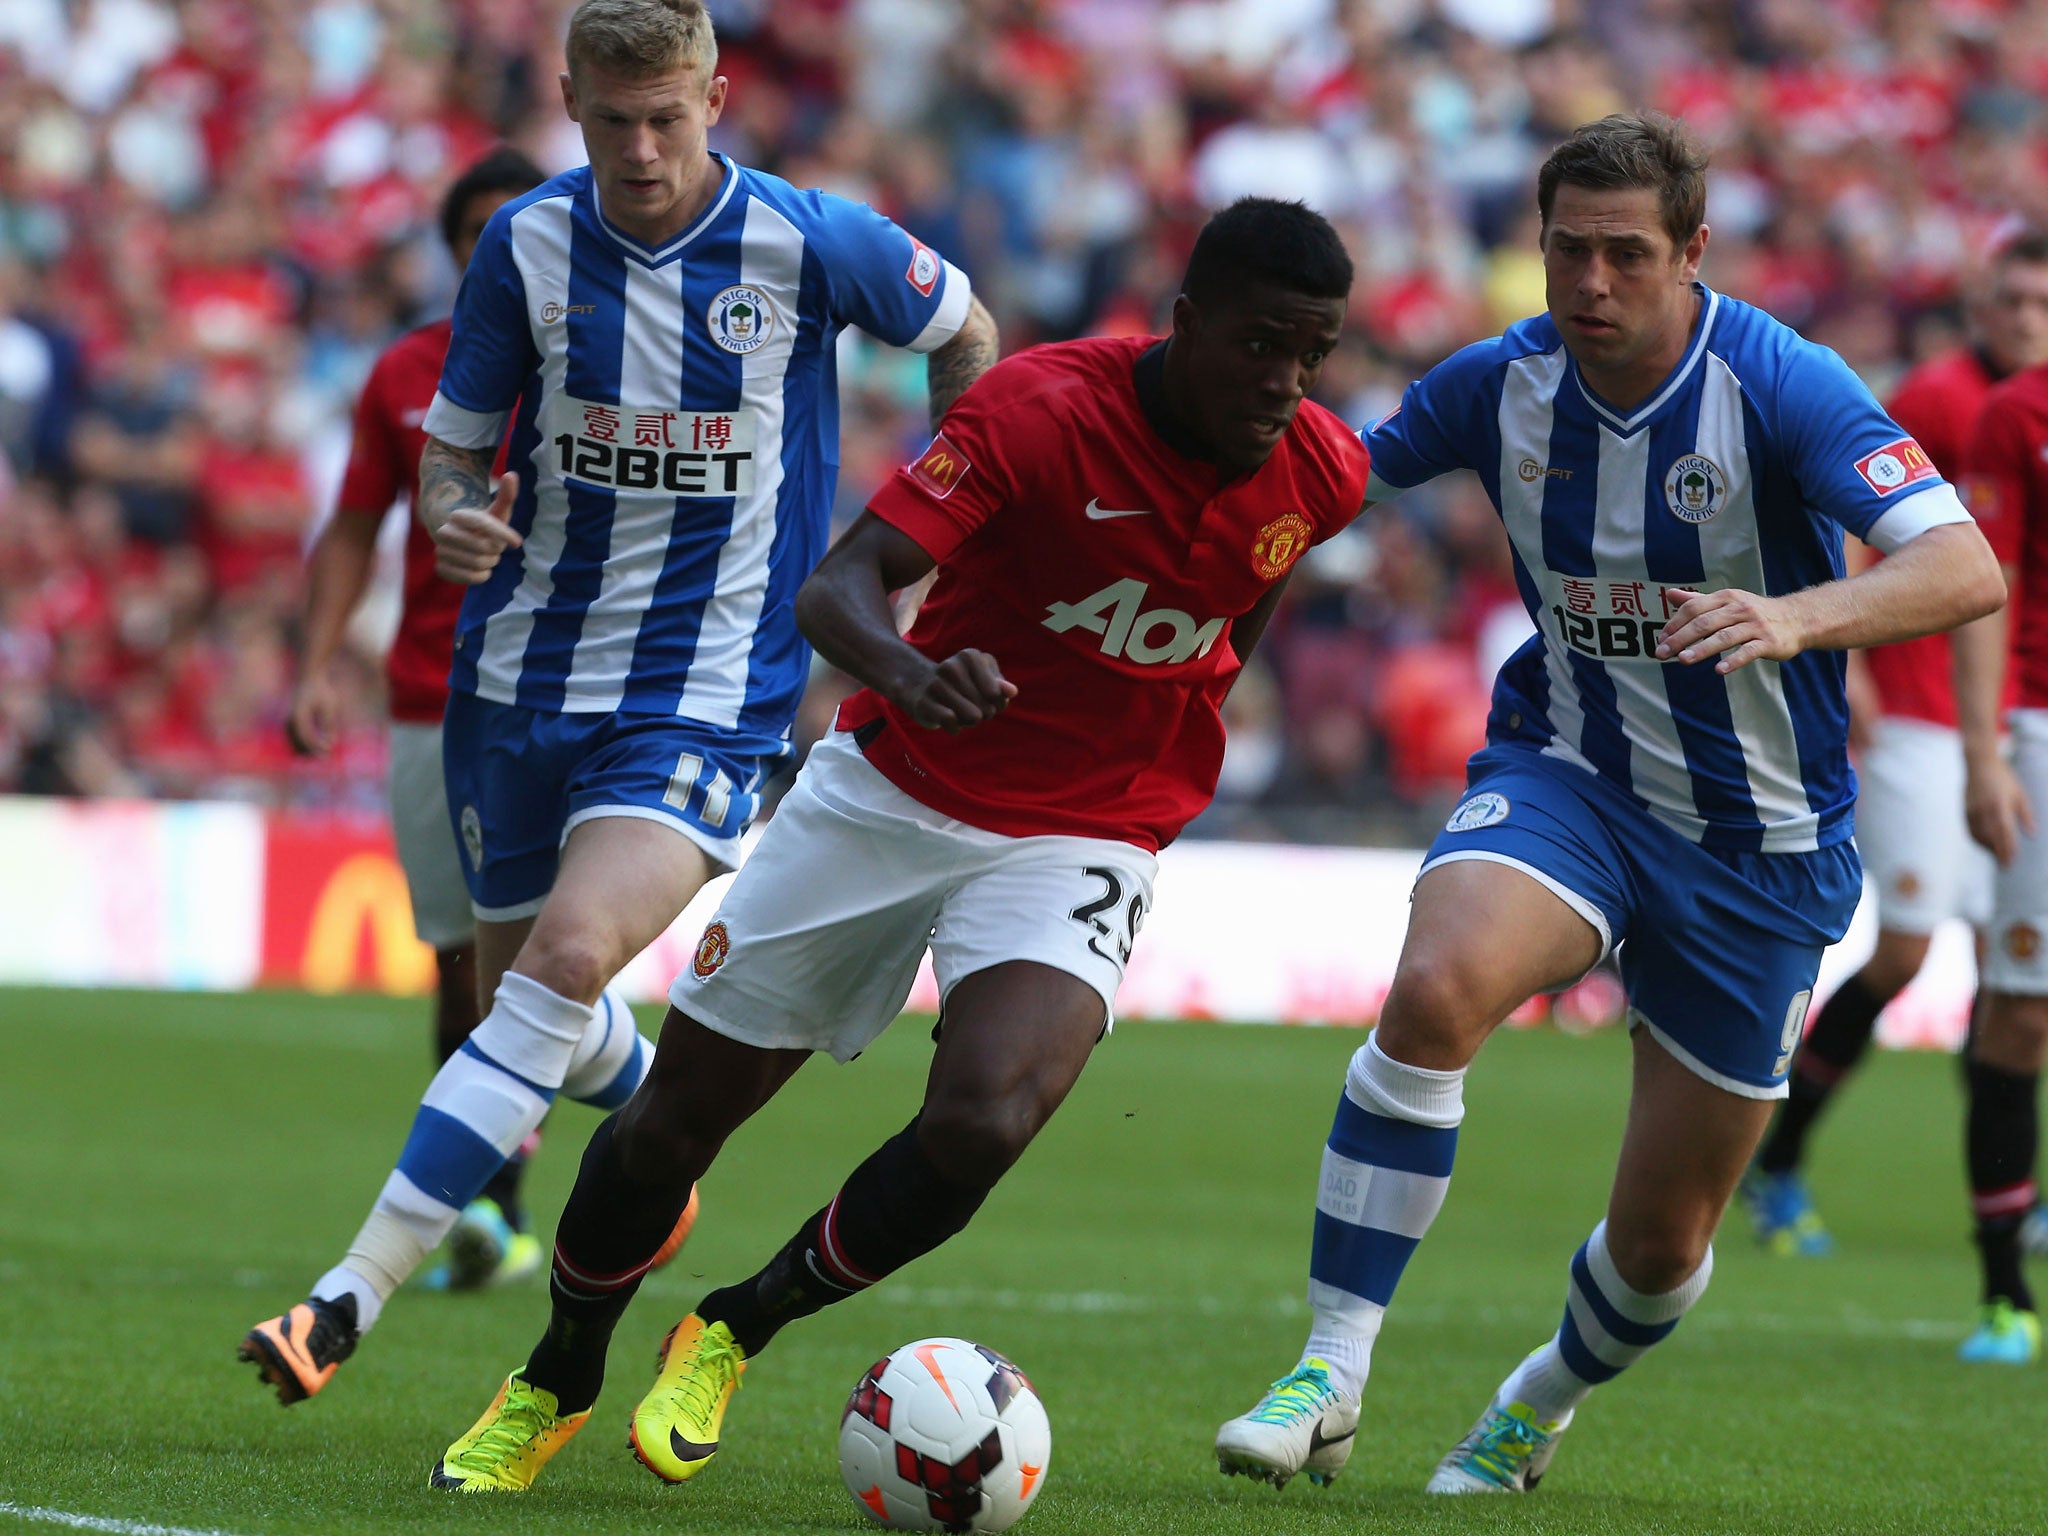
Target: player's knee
{"type": "Point", "coordinates": [976, 1140]}
{"type": "Point", "coordinates": [660, 1151]}
{"type": "Point", "coordinates": [572, 960]}
{"type": "Point", "coordinates": [1894, 963]}
{"type": "Point", "coordinates": [2012, 1033]}
{"type": "Point", "coordinates": [1432, 1013]}
{"type": "Point", "coordinates": [1658, 1257]}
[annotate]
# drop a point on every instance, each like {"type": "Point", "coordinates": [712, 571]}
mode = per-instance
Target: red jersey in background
{"type": "Point", "coordinates": [1102, 569]}
{"type": "Point", "coordinates": [1937, 403]}
{"type": "Point", "coordinates": [2008, 484]}
{"type": "Point", "coordinates": [384, 463]}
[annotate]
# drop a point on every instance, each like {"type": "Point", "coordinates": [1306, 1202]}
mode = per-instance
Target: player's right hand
{"type": "Point", "coordinates": [316, 708]}
{"type": "Point", "coordinates": [1998, 808]}
{"type": "Point", "coordinates": [470, 540]}
{"type": "Point", "coordinates": [961, 691]}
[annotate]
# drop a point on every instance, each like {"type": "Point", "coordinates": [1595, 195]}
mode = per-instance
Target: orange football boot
{"type": "Point", "coordinates": [299, 1352]}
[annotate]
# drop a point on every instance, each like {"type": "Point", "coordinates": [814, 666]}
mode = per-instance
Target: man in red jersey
{"type": "Point", "coordinates": [2008, 486]}
{"type": "Point", "coordinates": [491, 1241]}
{"type": "Point", "coordinates": [1110, 522]}
{"type": "Point", "coordinates": [1910, 826]}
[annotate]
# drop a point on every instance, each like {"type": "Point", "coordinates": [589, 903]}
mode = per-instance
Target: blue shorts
{"type": "Point", "coordinates": [519, 780]}
{"type": "Point", "coordinates": [1719, 949]}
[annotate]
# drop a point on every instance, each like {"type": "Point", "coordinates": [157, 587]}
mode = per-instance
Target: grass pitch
{"type": "Point", "coordinates": [174, 1168]}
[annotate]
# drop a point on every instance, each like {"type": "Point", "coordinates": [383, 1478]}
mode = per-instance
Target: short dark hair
{"type": "Point", "coordinates": [1262, 238]}
{"type": "Point", "coordinates": [1633, 149]}
{"type": "Point", "coordinates": [2029, 246]}
{"type": "Point", "coordinates": [504, 169]}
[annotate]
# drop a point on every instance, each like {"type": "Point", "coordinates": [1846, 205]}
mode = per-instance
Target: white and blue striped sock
{"type": "Point", "coordinates": [1385, 1171]}
{"type": "Point", "coordinates": [612, 1057]}
{"type": "Point", "coordinates": [1607, 1327]}
{"type": "Point", "coordinates": [481, 1105]}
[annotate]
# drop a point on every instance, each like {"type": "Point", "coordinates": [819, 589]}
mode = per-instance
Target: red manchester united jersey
{"type": "Point", "coordinates": [1101, 568]}
{"type": "Point", "coordinates": [1938, 404]}
{"type": "Point", "coordinates": [2008, 487]}
{"type": "Point", "coordinates": [384, 463]}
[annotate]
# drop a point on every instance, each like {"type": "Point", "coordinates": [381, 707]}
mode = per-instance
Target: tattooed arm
{"type": "Point", "coordinates": [970, 354]}
{"type": "Point", "coordinates": [471, 526]}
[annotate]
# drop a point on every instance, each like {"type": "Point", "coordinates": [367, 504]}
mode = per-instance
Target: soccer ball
{"type": "Point", "coordinates": [944, 1435]}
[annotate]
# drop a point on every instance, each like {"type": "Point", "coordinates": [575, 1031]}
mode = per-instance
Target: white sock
{"type": "Point", "coordinates": [612, 1057]}
{"type": "Point", "coordinates": [486, 1099]}
{"type": "Point", "coordinates": [1607, 1327]}
{"type": "Point", "coordinates": [342, 1281]}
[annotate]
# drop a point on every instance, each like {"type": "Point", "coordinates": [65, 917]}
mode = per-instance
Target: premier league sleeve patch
{"type": "Point", "coordinates": [924, 267]}
{"type": "Point", "coordinates": [1895, 466]}
{"type": "Point", "coordinates": [1482, 810]}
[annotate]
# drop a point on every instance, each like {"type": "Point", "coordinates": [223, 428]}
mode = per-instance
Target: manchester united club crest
{"type": "Point", "coordinates": [2023, 941]}
{"type": "Point", "coordinates": [1694, 488]}
{"type": "Point", "coordinates": [740, 319]}
{"type": "Point", "coordinates": [1279, 544]}
{"type": "Point", "coordinates": [711, 951]}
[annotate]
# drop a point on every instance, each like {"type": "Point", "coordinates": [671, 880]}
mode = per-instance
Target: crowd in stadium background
{"type": "Point", "coordinates": [215, 213]}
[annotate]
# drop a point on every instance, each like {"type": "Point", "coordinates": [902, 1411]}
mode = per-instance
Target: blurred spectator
{"type": "Point", "coordinates": [213, 215]}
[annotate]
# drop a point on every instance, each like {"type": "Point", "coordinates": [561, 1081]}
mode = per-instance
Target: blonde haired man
{"type": "Point", "coordinates": [658, 330]}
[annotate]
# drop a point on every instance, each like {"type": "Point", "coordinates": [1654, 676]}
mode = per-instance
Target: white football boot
{"type": "Point", "coordinates": [1507, 1451]}
{"type": "Point", "coordinates": [1302, 1424]}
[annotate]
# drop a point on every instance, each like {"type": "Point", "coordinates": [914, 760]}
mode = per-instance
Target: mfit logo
{"type": "Point", "coordinates": [942, 468]}
{"type": "Point", "coordinates": [1151, 637]}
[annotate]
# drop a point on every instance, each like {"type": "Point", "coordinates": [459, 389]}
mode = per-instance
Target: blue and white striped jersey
{"type": "Point", "coordinates": [1741, 471]}
{"type": "Point", "coordinates": [676, 435]}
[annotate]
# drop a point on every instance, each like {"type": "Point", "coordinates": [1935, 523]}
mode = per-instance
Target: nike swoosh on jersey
{"type": "Point", "coordinates": [1097, 512]}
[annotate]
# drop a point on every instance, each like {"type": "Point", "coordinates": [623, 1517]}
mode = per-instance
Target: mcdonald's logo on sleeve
{"type": "Point", "coordinates": [1895, 466]}
{"type": "Point", "coordinates": [942, 467]}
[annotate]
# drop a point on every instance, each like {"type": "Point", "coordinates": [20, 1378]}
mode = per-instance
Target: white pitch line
{"type": "Point", "coordinates": [99, 1522]}
{"type": "Point", "coordinates": [1855, 1324]}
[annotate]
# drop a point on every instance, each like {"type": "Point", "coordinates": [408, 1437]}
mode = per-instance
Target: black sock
{"type": "Point", "coordinates": [610, 1232]}
{"type": "Point", "coordinates": [455, 1014]}
{"type": "Point", "coordinates": [503, 1187]}
{"type": "Point", "coordinates": [2002, 1136]}
{"type": "Point", "coordinates": [893, 1208]}
{"type": "Point", "coordinates": [1835, 1044]}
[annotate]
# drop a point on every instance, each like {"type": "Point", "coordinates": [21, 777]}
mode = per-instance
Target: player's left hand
{"type": "Point", "coordinates": [1734, 626]}
{"type": "Point", "coordinates": [957, 693]}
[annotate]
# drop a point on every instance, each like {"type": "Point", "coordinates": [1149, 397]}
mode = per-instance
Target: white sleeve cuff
{"type": "Point", "coordinates": [462, 428]}
{"type": "Point", "coordinates": [951, 314]}
{"type": "Point", "coordinates": [1922, 510]}
{"type": "Point", "coordinates": [1377, 490]}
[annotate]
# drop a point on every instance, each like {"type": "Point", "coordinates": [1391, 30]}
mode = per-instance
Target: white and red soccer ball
{"type": "Point", "coordinates": [944, 1435]}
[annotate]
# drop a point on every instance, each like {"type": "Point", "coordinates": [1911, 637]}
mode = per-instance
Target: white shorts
{"type": "Point", "coordinates": [1912, 833]}
{"type": "Point", "coordinates": [426, 839]}
{"type": "Point", "coordinates": [2017, 956]}
{"type": "Point", "coordinates": [818, 941]}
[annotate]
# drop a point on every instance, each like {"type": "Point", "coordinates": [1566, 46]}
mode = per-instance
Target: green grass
{"type": "Point", "coordinates": [173, 1168]}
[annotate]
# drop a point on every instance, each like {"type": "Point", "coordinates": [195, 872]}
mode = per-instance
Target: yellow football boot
{"type": "Point", "coordinates": [675, 1428]}
{"type": "Point", "coordinates": [506, 1448]}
